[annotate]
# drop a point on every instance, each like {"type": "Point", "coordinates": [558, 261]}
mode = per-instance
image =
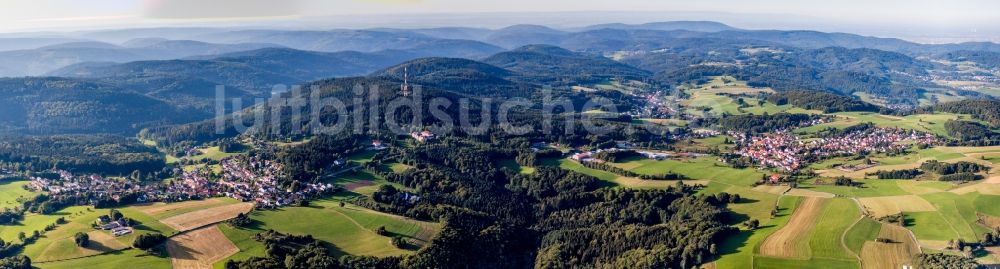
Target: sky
{"type": "Point", "coordinates": [970, 19]}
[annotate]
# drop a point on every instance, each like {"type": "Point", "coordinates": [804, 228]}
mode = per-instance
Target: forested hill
{"type": "Point", "coordinates": [61, 105]}
{"type": "Point", "coordinates": [544, 63]}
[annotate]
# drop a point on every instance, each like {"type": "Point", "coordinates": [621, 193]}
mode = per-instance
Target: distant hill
{"type": "Point", "coordinates": [61, 105]}
{"type": "Point", "coordinates": [457, 75]}
{"type": "Point", "coordinates": [35, 62]}
{"type": "Point", "coordinates": [26, 43]}
{"type": "Point", "coordinates": [696, 26]}
{"type": "Point", "coordinates": [544, 63]}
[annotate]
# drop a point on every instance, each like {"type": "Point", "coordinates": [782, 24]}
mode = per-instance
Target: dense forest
{"type": "Point", "coordinates": [822, 101]}
{"type": "Point", "coordinates": [763, 123]}
{"type": "Point", "coordinates": [103, 154]}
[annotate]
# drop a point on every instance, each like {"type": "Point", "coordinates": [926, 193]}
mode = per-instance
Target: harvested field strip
{"type": "Point", "coordinates": [200, 248]}
{"type": "Point", "coordinates": [792, 240]}
{"type": "Point", "coordinates": [893, 254]}
{"type": "Point", "coordinates": [204, 217]}
{"type": "Point", "coordinates": [836, 217]}
{"type": "Point", "coordinates": [888, 205]}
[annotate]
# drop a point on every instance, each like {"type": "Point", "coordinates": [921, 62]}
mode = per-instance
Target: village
{"type": "Point", "coordinates": [785, 151]}
{"type": "Point", "coordinates": [245, 178]}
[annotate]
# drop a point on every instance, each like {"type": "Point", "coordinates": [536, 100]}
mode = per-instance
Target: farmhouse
{"type": "Point", "coordinates": [423, 136]}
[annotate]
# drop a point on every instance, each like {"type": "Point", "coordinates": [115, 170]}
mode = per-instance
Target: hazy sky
{"type": "Point", "coordinates": [953, 15]}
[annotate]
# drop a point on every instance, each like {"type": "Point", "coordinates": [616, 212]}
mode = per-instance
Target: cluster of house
{"type": "Point", "coordinates": [657, 106]}
{"type": "Point", "coordinates": [252, 179]}
{"type": "Point", "coordinates": [423, 136]}
{"type": "Point", "coordinates": [117, 227]}
{"type": "Point", "coordinates": [245, 178]}
{"type": "Point", "coordinates": [784, 151]}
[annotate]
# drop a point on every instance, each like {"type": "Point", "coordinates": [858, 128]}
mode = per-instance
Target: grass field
{"type": "Point", "coordinates": [211, 153]}
{"type": "Point", "coordinates": [166, 210]}
{"type": "Point", "coordinates": [930, 123]}
{"type": "Point", "coordinates": [754, 204]}
{"type": "Point", "coordinates": [866, 229]}
{"type": "Point", "coordinates": [620, 181]}
{"type": "Point", "coordinates": [778, 263]}
{"type": "Point", "coordinates": [737, 251]}
{"type": "Point", "coordinates": [350, 229]}
{"type": "Point", "coordinates": [888, 205]}
{"type": "Point", "coordinates": [870, 188]}
{"type": "Point", "coordinates": [11, 191]}
{"type": "Point", "coordinates": [704, 168]}
{"type": "Point", "coordinates": [836, 218]}
{"type": "Point", "coordinates": [929, 226]}
{"type": "Point", "coordinates": [362, 182]}
{"type": "Point", "coordinates": [127, 259]}
{"type": "Point", "coordinates": [513, 166]}
{"type": "Point", "coordinates": [58, 243]}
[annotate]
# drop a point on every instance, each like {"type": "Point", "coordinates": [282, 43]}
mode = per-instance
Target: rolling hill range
{"type": "Point", "coordinates": [39, 61]}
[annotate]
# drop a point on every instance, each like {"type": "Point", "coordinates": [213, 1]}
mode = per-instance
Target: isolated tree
{"type": "Point", "coordinates": [148, 241]}
{"type": "Point", "coordinates": [81, 239]}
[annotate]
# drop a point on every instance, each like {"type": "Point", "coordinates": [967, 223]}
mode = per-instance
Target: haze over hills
{"type": "Point", "coordinates": [178, 65]}
{"type": "Point", "coordinates": [623, 144]}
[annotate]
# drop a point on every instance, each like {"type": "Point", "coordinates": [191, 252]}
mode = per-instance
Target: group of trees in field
{"type": "Point", "coordinates": [944, 261]}
{"type": "Point", "coordinates": [616, 155]}
{"type": "Point", "coordinates": [897, 174]}
{"type": "Point", "coordinates": [943, 168]}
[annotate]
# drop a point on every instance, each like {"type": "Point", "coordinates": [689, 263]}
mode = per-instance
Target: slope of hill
{"type": "Point", "coordinates": [550, 63]}
{"type": "Point", "coordinates": [695, 26]}
{"type": "Point", "coordinates": [35, 62]}
{"type": "Point", "coordinates": [61, 105]}
{"type": "Point", "coordinates": [457, 75]}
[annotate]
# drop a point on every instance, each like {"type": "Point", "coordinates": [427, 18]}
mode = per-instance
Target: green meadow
{"type": "Point", "coordinates": [348, 230]}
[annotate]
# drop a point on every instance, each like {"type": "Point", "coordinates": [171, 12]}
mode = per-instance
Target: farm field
{"type": "Point", "coordinates": [738, 251]}
{"type": "Point", "coordinates": [894, 254]}
{"type": "Point", "coordinates": [199, 248]}
{"type": "Point", "coordinates": [199, 218]}
{"type": "Point", "coordinates": [792, 240]}
{"type": "Point", "coordinates": [703, 168]}
{"type": "Point", "coordinates": [350, 229]}
{"type": "Point", "coordinates": [58, 243]}
{"type": "Point", "coordinates": [362, 182]}
{"type": "Point", "coordinates": [166, 210]}
{"type": "Point", "coordinates": [930, 123]}
{"type": "Point", "coordinates": [125, 259]}
{"type": "Point", "coordinates": [622, 181]}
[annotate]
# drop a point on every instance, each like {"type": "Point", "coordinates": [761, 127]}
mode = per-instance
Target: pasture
{"type": "Point", "coordinates": [349, 229]}
{"type": "Point", "coordinates": [124, 259]}
{"type": "Point", "coordinates": [12, 191]}
{"type": "Point", "coordinates": [739, 250]}
{"type": "Point", "coordinates": [930, 123]}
